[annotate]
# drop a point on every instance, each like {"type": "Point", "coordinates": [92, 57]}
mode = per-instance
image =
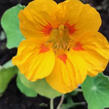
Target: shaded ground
{"type": "Point", "coordinates": [12, 98]}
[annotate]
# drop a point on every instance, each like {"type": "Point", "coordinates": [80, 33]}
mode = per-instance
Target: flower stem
{"type": "Point", "coordinates": [60, 103]}
{"type": "Point", "coordinates": [78, 90]}
{"type": "Point", "coordinates": [51, 103]}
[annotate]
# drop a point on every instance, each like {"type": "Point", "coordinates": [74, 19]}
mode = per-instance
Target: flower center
{"type": "Point", "coordinates": [60, 38]}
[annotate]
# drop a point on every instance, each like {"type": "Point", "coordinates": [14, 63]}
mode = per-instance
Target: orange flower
{"type": "Point", "coordinates": [62, 43]}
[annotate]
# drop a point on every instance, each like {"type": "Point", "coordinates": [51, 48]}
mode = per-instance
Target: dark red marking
{"type": "Point", "coordinates": [71, 28]}
{"type": "Point", "coordinates": [78, 47]}
{"type": "Point", "coordinates": [47, 29]}
{"type": "Point", "coordinates": [43, 49]}
{"type": "Point", "coordinates": [63, 57]}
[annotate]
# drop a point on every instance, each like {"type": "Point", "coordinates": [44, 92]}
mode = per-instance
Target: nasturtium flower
{"type": "Point", "coordinates": [62, 43]}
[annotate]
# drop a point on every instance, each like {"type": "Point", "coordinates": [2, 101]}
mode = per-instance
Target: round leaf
{"type": "Point", "coordinates": [10, 24]}
{"type": "Point", "coordinates": [40, 86]}
{"type": "Point", "coordinates": [96, 91]}
{"type": "Point", "coordinates": [25, 90]}
{"type": "Point", "coordinates": [6, 74]}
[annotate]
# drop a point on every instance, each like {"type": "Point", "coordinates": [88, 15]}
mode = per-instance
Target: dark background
{"type": "Point", "coordinates": [12, 98]}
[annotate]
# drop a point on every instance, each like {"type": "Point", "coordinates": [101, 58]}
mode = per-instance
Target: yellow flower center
{"type": "Point", "coordinates": [59, 38]}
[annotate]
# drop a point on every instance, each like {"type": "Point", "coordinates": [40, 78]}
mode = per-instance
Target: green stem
{"type": "Point", "coordinates": [80, 103]}
{"type": "Point", "coordinates": [61, 102]}
{"type": "Point", "coordinates": [78, 90]}
{"type": "Point", "coordinates": [51, 104]}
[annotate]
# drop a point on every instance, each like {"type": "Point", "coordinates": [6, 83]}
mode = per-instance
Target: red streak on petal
{"type": "Point", "coordinates": [63, 57]}
{"type": "Point", "coordinates": [78, 47]}
{"type": "Point", "coordinates": [43, 49]}
{"type": "Point", "coordinates": [47, 29]}
{"type": "Point", "coordinates": [71, 28]}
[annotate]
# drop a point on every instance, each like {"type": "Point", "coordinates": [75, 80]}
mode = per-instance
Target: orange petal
{"type": "Point", "coordinates": [83, 16]}
{"type": "Point", "coordinates": [35, 16]}
{"type": "Point", "coordinates": [66, 77]}
{"type": "Point", "coordinates": [33, 64]}
{"type": "Point", "coordinates": [95, 53]}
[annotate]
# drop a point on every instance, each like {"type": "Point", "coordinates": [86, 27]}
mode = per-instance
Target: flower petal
{"type": "Point", "coordinates": [36, 16]}
{"type": "Point", "coordinates": [33, 64]}
{"type": "Point", "coordinates": [67, 76]}
{"type": "Point", "coordinates": [82, 16]}
{"type": "Point", "coordinates": [95, 62]}
{"type": "Point", "coordinates": [96, 51]}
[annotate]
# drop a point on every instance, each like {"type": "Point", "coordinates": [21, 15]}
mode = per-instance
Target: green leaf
{"type": "Point", "coordinates": [7, 64]}
{"type": "Point", "coordinates": [10, 24]}
{"type": "Point", "coordinates": [96, 91]}
{"type": "Point", "coordinates": [25, 90]}
{"type": "Point", "coordinates": [40, 86]}
{"type": "Point", "coordinates": [6, 74]}
{"type": "Point", "coordinates": [69, 103]}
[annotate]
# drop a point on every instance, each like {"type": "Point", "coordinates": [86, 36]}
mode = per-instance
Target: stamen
{"type": "Point", "coordinates": [60, 36]}
{"type": "Point", "coordinates": [61, 29]}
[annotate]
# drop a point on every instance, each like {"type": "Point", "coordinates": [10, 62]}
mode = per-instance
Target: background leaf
{"type": "Point", "coordinates": [41, 87]}
{"type": "Point", "coordinates": [96, 91]}
{"type": "Point", "coordinates": [25, 90]}
{"type": "Point", "coordinates": [10, 24]}
{"type": "Point", "coordinates": [6, 74]}
{"type": "Point", "coordinates": [7, 64]}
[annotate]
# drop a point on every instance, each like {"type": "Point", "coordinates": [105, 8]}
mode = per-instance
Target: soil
{"type": "Point", "coordinates": [12, 98]}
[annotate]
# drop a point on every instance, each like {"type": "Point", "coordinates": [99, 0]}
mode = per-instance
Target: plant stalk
{"type": "Point", "coordinates": [51, 103]}
{"type": "Point", "coordinates": [61, 102]}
